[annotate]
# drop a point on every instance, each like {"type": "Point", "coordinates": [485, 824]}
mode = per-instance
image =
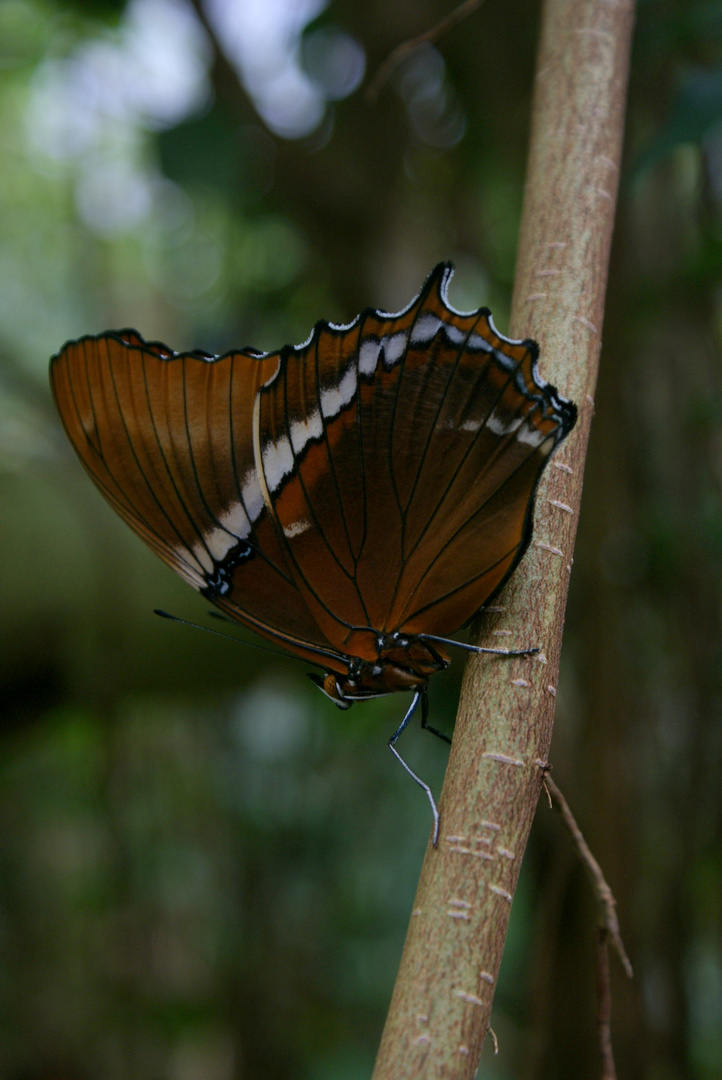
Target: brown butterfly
{"type": "Point", "coordinates": [356, 498]}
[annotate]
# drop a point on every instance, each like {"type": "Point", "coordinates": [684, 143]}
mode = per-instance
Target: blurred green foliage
{"type": "Point", "coordinates": [205, 870]}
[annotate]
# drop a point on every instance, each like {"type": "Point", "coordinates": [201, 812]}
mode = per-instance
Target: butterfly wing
{"type": "Point", "coordinates": [470, 500]}
{"type": "Point", "coordinates": [399, 457]}
{"type": "Point", "coordinates": [380, 477]}
{"type": "Point", "coordinates": [168, 439]}
{"type": "Point", "coordinates": [323, 442]}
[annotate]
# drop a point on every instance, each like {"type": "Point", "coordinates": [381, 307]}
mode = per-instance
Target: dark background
{"type": "Point", "coordinates": [205, 869]}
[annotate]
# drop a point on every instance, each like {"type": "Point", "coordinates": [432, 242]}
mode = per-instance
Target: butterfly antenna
{"type": "Point", "coordinates": [227, 637]}
{"type": "Point", "coordinates": [478, 648]}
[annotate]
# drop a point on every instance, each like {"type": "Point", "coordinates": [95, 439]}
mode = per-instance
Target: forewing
{"type": "Point", "coordinates": [400, 456]}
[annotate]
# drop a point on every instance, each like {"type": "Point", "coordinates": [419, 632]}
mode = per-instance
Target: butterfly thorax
{"type": "Point", "coordinates": [404, 662]}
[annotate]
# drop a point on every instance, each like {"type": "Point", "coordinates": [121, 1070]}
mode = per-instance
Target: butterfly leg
{"type": "Point", "coordinates": [419, 694]}
{"type": "Point", "coordinates": [425, 716]}
{"type": "Point", "coordinates": [477, 648]}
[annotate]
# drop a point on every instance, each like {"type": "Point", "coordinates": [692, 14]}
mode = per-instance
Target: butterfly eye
{"type": "Point", "coordinates": [331, 687]}
{"type": "Point", "coordinates": [328, 685]}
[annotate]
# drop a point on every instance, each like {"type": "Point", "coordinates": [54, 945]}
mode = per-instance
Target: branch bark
{"type": "Point", "coordinates": [441, 1006]}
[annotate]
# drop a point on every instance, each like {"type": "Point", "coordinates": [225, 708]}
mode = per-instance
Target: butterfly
{"type": "Point", "coordinates": [355, 499]}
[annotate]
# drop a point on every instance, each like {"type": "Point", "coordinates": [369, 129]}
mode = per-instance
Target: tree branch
{"type": "Point", "coordinates": [608, 928]}
{"type": "Point", "coordinates": [405, 49]}
{"type": "Point", "coordinates": [608, 921]}
{"type": "Point", "coordinates": [443, 997]}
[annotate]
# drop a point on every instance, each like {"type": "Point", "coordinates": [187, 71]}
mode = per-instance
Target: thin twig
{"type": "Point", "coordinates": [403, 50]}
{"type": "Point", "coordinates": [604, 997]}
{"type": "Point", "coordinates": [608, 928]}
{"type": "Point", "coordinates": [607, 904]}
